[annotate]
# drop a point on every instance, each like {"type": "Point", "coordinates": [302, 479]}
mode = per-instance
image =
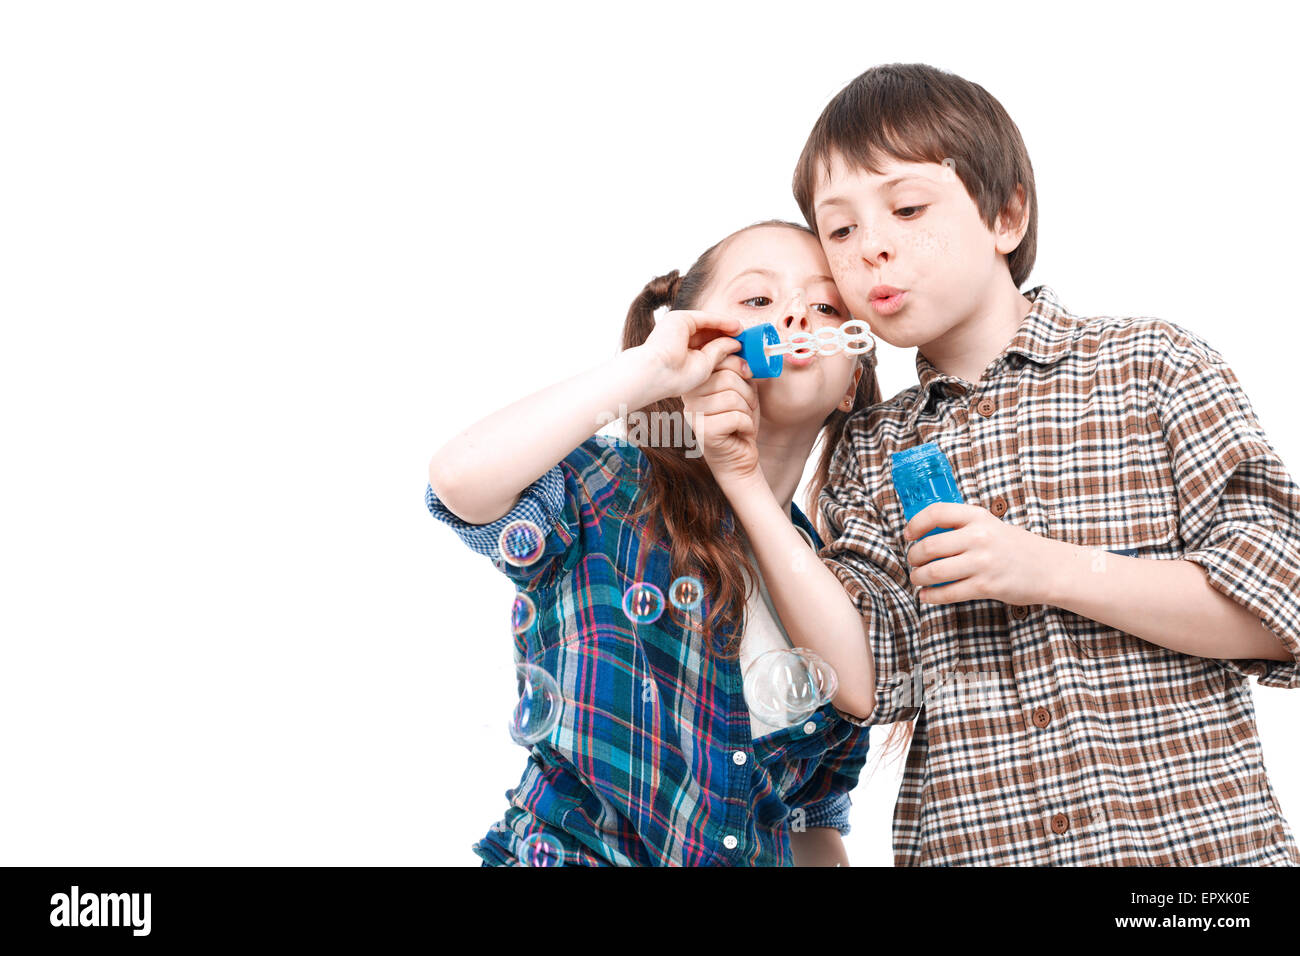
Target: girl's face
{"type": "Point", "coordinates": [779, 275]}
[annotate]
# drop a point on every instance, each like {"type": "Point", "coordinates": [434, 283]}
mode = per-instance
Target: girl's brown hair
{"type": "Point", "coordinates": [921, 114]}
{"type": "Point", "coordinates": [685, 507]}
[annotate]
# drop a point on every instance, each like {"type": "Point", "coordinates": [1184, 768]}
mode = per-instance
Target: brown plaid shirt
{"type": "Point", "coordinates": [1043, 737]}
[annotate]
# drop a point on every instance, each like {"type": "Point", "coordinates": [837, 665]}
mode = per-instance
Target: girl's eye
{"type": "Point", "coordinates": [842, 229]}
{"type": "Point", "coordinates": [766, 301]}
{"type": "Point", "coordinates": [908, 209]}
{"type": "Point", "coordinates": [831, 310]}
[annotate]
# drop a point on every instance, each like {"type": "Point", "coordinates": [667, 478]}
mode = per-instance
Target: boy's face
{"type": "Point", "coordinates": [914, 227]}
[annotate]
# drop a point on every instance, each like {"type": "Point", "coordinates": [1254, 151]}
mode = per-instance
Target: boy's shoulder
{"type": "Point", "coordinates": [1146, 341]}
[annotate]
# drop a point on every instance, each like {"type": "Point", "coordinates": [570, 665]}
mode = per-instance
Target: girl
{"type": "Point", "coordinates": [655, 759]}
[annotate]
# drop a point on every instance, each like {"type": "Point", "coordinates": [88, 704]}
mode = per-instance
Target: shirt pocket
{"type": "Point", "coordinates": [1135, 523]}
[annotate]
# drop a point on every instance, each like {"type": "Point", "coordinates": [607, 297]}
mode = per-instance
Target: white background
{"type": "Point", "coordinates": [258, 261]}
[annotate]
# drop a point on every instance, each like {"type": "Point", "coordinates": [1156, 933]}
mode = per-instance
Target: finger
{"type": "Point", "coordinates": [949, 593]}
{"type": "Point", "coordinates": [718, 402]}
{"type": "Point", "coordinates": [697, 321]}
{"type": "Point", "coordinates": [937, 572]}
{"type": "Point", "coordinates": [727, 379]}
{"type": "Point", "coordinates": [736, 364]}
{"type": "Point", "coordinates": [738, 423]}
{"type": "Point", "coordinates": [941, 514]}
{"type": "Point", "coordinates": [722, 380]}
{"type": "Point", "coordinates": [945, 544]}
{"type": "Point", "coordinates": [719, 349]}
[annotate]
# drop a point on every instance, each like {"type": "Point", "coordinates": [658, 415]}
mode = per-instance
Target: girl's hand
{"type": "Point", "coordinates": [686, 346]}
{"type": "Point", "coordinates": [723, 413]}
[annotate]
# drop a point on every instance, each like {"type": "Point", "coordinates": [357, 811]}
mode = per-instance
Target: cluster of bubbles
{"type": "Point", "coordinates": [538, 710]}
{"type": "Point", "coordinates": [854, 337]}
{"type": "Point", "coordinates": [788, 685]}
{"type": "Point", "coordinates": [643, 602]}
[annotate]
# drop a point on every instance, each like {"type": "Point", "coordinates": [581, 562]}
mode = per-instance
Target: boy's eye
{"type": "Point", "coordinates": [831, 310]}
{"type": "Point", "coordinates": [843, 229]}
{"type": "Point", "coordinates": [766, 301]}
{"type": "Point", "coordinates": [909, 209]}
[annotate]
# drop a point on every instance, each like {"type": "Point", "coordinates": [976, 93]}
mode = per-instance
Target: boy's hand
{"type": "Point", "coordinates": [983, 557]}
{"type": "Point", "coordinates": [724, 416]}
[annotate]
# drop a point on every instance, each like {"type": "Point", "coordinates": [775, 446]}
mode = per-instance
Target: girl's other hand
{"type": "Point", "coordinates": [686, 346]}
{"type": "Point", "coordinates": [723, 413]}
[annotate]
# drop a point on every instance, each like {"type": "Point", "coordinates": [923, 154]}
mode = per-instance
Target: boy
{"type": "Point", "coordinates": [1126, 532]}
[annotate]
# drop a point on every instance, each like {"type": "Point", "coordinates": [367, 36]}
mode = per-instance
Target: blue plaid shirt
{"type": "Point", "coordinates": [652, 762]}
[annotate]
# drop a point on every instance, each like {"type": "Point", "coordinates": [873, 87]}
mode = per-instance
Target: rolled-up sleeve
{"type": "Point", "coordinates": [1239, 508]}
{"type": "Point", "coordinates": [861, 556]}
{"type": "Point", "coordinates": [825, 798]}
{"type": "Point", "coordinates": [567, 504]}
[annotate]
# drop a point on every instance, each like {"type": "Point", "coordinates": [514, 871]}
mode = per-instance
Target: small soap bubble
{"type": "Point", "coordinates": [780, 689]}
{"type": "Point", "coordinates": [521, 543]}
{"type": "Point", "coordinates": [538, 710]}
{"type": "Point", "coordinates": [643, 603]}
{"type": "Point", "coordinates": [523, 614]}
{"type": "Point", "coordinates": [686, 593]}
{"type": "Point", "coordinates": [540, 849]}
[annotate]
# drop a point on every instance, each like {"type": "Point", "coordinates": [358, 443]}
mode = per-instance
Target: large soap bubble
{"type": "Point", "coordinates": [538, 710]}
{"type": "Point", "coordinates": [788, 685]}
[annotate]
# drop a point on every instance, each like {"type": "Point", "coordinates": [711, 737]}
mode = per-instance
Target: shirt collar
{"type": "Point", "coordinates": [1043, 337]}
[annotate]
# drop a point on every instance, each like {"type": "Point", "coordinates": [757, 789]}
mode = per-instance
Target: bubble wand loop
{"type": "Point", "coordinates": [761, 346]}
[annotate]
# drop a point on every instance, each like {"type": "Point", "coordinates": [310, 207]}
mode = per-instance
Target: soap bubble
{"type": "Point", "coordinates": [521, 543]}
{"type": "Point", "coordinates": [523, 614]}
{"type": "Point", "coordinates": [788, 685]}
{"type": "Point", "coordinates": [540, 849]}
{"type": "Point", "coordinates": [538, 710]}
{"type": "Point", "coordinates": [643, 603]}
{"type": "Point", "coordinates": [686, 593]}
{"type": "Point", "coordinates": [824, 678]}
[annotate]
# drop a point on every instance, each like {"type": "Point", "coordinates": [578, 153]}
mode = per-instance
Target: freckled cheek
{"type": "Point", "coordinates": [842, 265]}
{"type": "Point", "coordinates": [932, 245]}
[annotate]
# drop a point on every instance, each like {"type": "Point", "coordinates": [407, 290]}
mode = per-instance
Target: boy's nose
{"type": "Point", "coordinates": [796, 313]}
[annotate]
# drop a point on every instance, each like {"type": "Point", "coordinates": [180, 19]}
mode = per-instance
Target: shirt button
{"type": "Point", "coordinates": [729, 841]}
{"type": "Point", "coordinates": [738, 757]}
{"type": "Point", "coordinates": [1060, 823]}
{"type": "Point", "coordinates": [809, 727]}
{"type": "Point", "coordinates": [1019, 612]}
{"type": "Point", "coordinates": [985, 407]}
{"type": "Point", "coordinates": [999, 506]}
{"type": "Point", "coordinates": [1042, 717]}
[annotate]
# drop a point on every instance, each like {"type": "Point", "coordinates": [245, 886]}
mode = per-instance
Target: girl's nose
{"type": "Point", "coordinates": [795, 316]}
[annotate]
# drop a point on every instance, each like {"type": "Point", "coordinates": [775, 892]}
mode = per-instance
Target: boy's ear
{"type": "Point", "coordinates": [1012, 223]}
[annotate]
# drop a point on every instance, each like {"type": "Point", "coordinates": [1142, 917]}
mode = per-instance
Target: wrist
{"type": "Point", "coordinates": [1063, 568]}
{"type": "Point", "coordinates": [637, 375]}
{"type": "Point", "coordinates": [746, 491]}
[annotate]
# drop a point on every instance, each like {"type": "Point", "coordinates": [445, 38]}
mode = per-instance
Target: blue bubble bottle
{"type": "Point", "coordinates": [922, 476]}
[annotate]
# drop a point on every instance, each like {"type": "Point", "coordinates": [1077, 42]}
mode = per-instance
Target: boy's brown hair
{"type": "Point", "coordinates": [918, 113]}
